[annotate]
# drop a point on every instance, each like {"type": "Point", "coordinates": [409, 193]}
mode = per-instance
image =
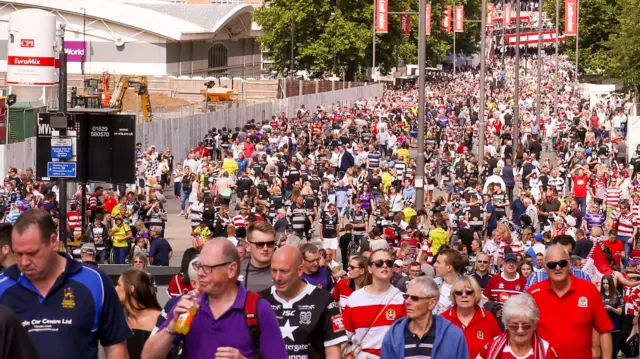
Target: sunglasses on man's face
{"type": "Point", "coordinates": [554, 264]}
{"type": "Point", "coordinates": [380, 263]}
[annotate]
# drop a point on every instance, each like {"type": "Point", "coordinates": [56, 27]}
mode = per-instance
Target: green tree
{"type": "Point", "coordinates": [598, 19]}
{"type": "Point", "coordinates": [332, 35]}
{"type": "Point", "coordinates": [624, 45]}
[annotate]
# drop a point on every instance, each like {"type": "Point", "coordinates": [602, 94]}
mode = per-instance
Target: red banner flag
{"type": "Point", "coordinates": [405, 20]}
{"type": "Point", "coordinates": [458, 22]}
{"type": "Point", "coordinates": [490, 9]}
{"type": "Point", "coordinates": [570, 17]}
{"type": "Point", "coordinates": [507, 14]}
{"type": "Point", "coordinates": [382, 23]}
{"type": "Point", "coordinates": [428, 27]}
{"type": "Point", "coordinates": [446, 19]}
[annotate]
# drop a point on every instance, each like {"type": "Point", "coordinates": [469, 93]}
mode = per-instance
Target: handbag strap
{"type": "Point", "coordinates": [374, 322]}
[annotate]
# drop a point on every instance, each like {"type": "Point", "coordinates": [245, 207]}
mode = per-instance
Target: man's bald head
{"type": "Point", "coordinates": [220, 251]}
{"type": "Point", "coordinates": [556, 252]}
{"type": "Point", "coordinates": [288, 255]}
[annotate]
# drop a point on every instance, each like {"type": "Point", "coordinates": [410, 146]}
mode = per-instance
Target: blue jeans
{"type": "Point", "coordinates": [120, 255]}
{"type": "Point", "coordinates": [582, 202]}
{"type": "Point", "coordinates": [177, 188]}
{"type": "Point", "coordinates": [627, 248]}
{"type": "Point", "coordinates": [383, 150]}
{"type": "Point", "coordinates": [184, 198]}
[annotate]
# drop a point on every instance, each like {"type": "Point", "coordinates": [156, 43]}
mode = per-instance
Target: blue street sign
{"type": "Point", "coordinates": [61, 169]}
{"type": "Point", "coordinates": [62, 152]}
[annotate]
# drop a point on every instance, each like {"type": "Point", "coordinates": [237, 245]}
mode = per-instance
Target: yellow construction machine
{"type": "Point", "coordinates": [139, 83]}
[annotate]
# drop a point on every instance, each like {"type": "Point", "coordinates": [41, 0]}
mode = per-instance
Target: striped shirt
{"type": "Point", "coordinates": [419, 348]}
{"type": "Point", "coordinates": [626, 223]}
{"type": "Point", "coordinates": [239, 221]}
{"type": "Point", "coordinates": [499, 288]}
{"type": "Point", "coordinates": [374, 159]}
{"type": "Point", "coordinates": [362, 308]}
{"type": "Point", "coordinates": [401, 168]}
{"type": "Point", "coordinates": [635, 209]}
{"type": "Point", "coordinates": [195, 214]}
{"type": "Point", "coordinates": [631, 300]}
{"type": "Point", "coordinates": [537, 277]}
{"type": "Point", "coordinates": [297, 217]}
{"type": "Point", "coordinates": [516, 247]}
{"type": "Point", "coordinates": [613, 196]}
{"type": "Point", "coordinates": [594, 219]}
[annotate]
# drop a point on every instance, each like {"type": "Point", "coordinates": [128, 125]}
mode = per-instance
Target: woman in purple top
{"type": "Point", "coordinates": [367, 200]}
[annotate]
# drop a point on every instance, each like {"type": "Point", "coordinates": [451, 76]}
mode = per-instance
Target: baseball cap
{"type": "Point", "coordinates": [88, 247]}
{"type": "Point", "coordinates": [538, 237]}
{"type": "Point", "coordinates": [289, 227]}
{"type": "Point", "coordinates": [398, 263]}
{"type": "Point", "coordinates": [510, 257]}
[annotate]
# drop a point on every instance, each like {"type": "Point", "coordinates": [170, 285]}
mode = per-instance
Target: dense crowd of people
{"type": "Point", "coordinates": [528, 252]}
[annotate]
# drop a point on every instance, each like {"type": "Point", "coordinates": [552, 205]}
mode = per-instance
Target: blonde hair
{"type": "Point", "coordinates": [467, 282]}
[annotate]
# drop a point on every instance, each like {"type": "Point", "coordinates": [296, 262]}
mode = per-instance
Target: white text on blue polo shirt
{"type": "Point", "coordinates": [45, 325]}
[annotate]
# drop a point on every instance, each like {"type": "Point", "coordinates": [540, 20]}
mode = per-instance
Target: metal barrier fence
{"type": "Point", "coordinates": [182, 133]}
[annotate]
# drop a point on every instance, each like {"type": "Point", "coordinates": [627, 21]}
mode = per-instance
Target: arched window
{"type": "Point", "coordinates": [218, 56]}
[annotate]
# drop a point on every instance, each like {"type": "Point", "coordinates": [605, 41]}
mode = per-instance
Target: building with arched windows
{"type": "Point", "coordinates": [149, 37]}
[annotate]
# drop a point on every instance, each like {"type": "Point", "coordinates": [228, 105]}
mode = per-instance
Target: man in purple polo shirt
{"type": "Point", "coordinates": [219, 327]}
{"type": "Point", "coordinates": [313, 273]}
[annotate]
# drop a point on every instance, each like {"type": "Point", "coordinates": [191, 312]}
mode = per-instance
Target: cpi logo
{"type": "Point", "coordinates": [27, 43]}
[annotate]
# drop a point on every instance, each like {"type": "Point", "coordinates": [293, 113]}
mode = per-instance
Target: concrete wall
{"type": "Point", "coordinates": [191, 58]}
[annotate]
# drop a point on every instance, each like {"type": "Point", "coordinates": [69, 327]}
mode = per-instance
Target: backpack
{"type": "Point", "coordinates": [252, 320]}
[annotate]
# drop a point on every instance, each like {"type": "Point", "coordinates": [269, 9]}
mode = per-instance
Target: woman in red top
{"type": "Point", "coordinates": [181, 283]}
{"type": "Point", "coordinates": [478, 324]}
{"type": "Point", "coordinates": [520, 314]}
{"type": "Point", "coordinates": [358, 277]}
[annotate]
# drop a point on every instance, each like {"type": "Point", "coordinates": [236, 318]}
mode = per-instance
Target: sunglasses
{"type": "Point", "coordinates": [354, 267]}
{"type": "Point", "coordinates": [519, 326]}
{"type": "Point", "coordinates": [553, 264]}
{"type": "Point", "coordinates": [380, 263]}
{"type": "Point", "coordinates": [459, 293]}
{"type": "Point", "coordinates": [269, 244]}
{"type": "Point", "coordinates": [483, 262]}
{"type": "Point", "coordinates": [414, 298]}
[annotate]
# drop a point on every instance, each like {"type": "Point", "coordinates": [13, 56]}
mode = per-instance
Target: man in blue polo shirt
{"type": "Point", "coordinates": [63, 304]}
{"type": "Point", "coordinates": [219, 328]}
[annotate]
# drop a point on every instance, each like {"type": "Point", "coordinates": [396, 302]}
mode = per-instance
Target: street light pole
{"type": "Point", "coordinates": [373, 51]}
{"type": "Point", "coordinates": [293, 39]}
{"type": "Point", "coordinates": [539, 64]}
{"type": "Point", "coordinates": [483, 45]}
{"type": "Point", "coordinates": [84, 39]}
{"type": "Point", "coordinates": [453, 11]}
{"type": "Point", "coordinates": [516, 112]}
{"type": "Point", "coordinates": [575, 75]}
{"type": "Point", "coordinates": [555, 83]}
{"type": "Point", "coordinates": [422, 43]}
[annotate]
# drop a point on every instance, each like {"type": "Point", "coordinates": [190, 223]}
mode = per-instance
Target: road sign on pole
{"type": "Point", "coordinates": [61, 148]}
{"type": "Point", "coordinates": [61, 169]}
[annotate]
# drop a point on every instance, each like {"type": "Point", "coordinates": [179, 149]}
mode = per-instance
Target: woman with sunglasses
{"type": "Point", "coordinates": [358, 277]}
{"type": "Point", "coordinates": [370, 310]}
{"type": "Point", "coordinates": [477, 324]}
{"type": "Point", "coordinates": [520, 315]}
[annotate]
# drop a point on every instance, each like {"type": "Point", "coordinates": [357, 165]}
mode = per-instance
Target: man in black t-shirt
{"type": "Point", "coordinates": [310, 320]}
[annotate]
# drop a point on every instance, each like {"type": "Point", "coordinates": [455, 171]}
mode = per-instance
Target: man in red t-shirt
{"type": "Point", "coordinates": [571, 310]}
{"type": "Point", "coordinates": [616, 247]}
{"type": "Point", "coordinates": [506, 284]}
{"type": "Point", "coordinates": [580, 177]}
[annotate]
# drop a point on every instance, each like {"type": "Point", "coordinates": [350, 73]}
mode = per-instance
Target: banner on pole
{"type": "Point", "coordinates": [428, 12]}
{"type": "Point", "coordinates": [446, 19]}
{"type": "Point", "coordinates": [458, 22]}
{"type": "Point", "coordinates": [490, 9]}
{"type": "Point", "coordinates": [405, 20]}
{"type": "Point", "coordinates": [570, 17]}
{"type": "Point", "coordinates": [382, 23]}
{"type": "Point", "coordinates": [507, 14]}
